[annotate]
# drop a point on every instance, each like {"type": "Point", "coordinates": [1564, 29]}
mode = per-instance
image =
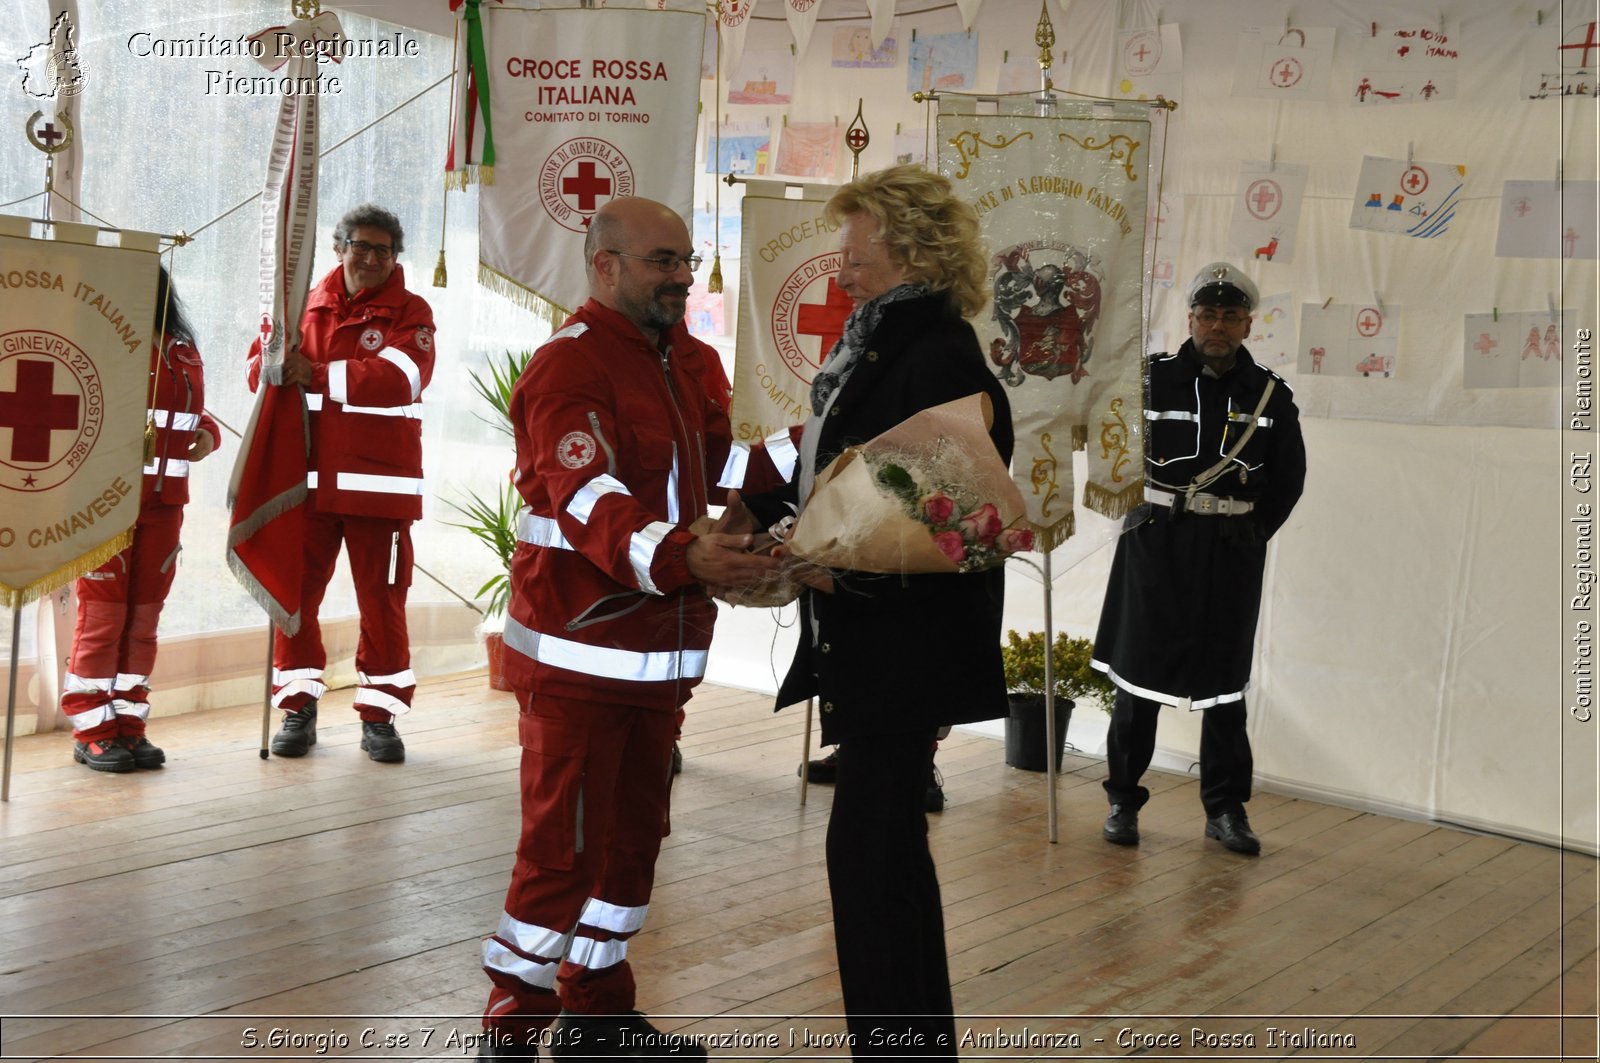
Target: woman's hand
{"type": "Point", "coordinates": [203, 444]}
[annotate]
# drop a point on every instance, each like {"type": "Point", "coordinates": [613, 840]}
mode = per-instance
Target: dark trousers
{"type": "Point", "coordinates": [1225, 760]}
{"type": "Point", "coordinates": [888, 919]}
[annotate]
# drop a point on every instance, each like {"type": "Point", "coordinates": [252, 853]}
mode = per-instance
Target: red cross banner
{"type": "Point", "coordinates": [791, 311]}
{"type": "Point", "coordinates": [587, 104]}
{"type": "Point", "coordinates": [75, 324]}
{"type": "Point", "coordinates": [1062, 201]}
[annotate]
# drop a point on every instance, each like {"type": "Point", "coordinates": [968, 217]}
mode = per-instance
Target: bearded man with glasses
{"type": "Point", "coordinates": [365, 356]}
{"type": "Point", "coordinates": [1224, 466]}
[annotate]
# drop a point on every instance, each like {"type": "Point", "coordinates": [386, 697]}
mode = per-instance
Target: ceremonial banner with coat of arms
{"type": "Point", "coordinates": [1062, 199]}
{"type": "Point", "coordinates": [791, 311]}
{"type": "Point", "coordinates": [586, 104]}
{"type": "Point", "coordinates": [75, 339]}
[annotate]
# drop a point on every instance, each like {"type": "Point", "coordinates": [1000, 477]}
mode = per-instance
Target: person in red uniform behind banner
{"type": "Point", "coordinates": [365, 356]}
{"type": "Point", "coordinates": [623, 441]}
{"type": "Point", "coordinates": [106, 694]}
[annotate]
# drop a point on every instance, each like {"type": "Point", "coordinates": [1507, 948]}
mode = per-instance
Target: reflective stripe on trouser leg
{"type": "Point", "coordinates": [380, 566]}
{"type": "Point", "coordinates": [302, 656]}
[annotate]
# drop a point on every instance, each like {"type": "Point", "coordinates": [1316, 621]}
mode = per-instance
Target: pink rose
{"type": "Point", "coordinates": [982, 524]}
{"type": "Point", "coordinates": [1015, 540]}
{"type": "Point", "coordinates": [938, 508]}
{"type": "Point", "coordinates": [951, 545]}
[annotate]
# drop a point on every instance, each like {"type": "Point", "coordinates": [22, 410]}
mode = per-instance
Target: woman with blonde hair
{"type": "Point", "coordinates": [893, 658]}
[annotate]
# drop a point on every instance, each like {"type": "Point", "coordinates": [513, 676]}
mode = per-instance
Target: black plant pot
{"type": "Point", "coordinates": [1026, 747]}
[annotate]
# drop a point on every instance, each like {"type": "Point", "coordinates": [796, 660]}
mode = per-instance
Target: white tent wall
{"type": "Point", "coordinates": [1413, 641]}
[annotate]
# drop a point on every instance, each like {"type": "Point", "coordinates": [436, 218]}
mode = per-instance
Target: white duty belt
{"type": "Point", "coordinates": [1203, 504]}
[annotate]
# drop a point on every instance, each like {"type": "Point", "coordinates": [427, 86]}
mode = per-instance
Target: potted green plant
{"type": "Point", "coordinates": [494, 520]}
{"type": "Point", "coordinates": [1023, 658]}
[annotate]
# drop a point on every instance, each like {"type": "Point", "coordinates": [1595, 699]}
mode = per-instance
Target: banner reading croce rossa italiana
{"type": "Point", "coordinates": [75, 325]}
{"type": "Point", "coordinates": [587, 104]}
{"type": "Point", "coordinates": [791, 311]}
{"type": "Point", "coordinates": [1061, 199]}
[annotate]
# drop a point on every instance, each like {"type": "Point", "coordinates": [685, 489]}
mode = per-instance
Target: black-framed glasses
{"type": "Point", "coordinates": [1230, 318]}
{"type": "Point", "coordinates": [361, 249]}
{"type": "Point", "coordinates": [665, 263]}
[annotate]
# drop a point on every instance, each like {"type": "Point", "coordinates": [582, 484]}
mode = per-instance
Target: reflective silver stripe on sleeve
{"type": "Point", "coordinates": [404, 362]}
{"type": "Point", "coordinates": [784, 454]}
{"type": "Point", "coordinates": [175, 468]}
{"type": "Point", "coordinates": [540, 531]}
{"type": "Point", "coordinates": [583, 503]}
{"type": "Point", "coordinates": [736, 468]}
{"type": "Point", "coordinates": [338, 382]}
{"type": "Point", "coordinates": [642, 546]}
{"type": "Point", "coordinates": [412, 410]}
{"type": "Point", "coordinates": [604, 661]}
{"type": "Point", "coordinates": [179, 422]}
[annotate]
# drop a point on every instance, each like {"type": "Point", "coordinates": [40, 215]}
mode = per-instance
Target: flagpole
{"type": "Point", "coordinates": [266, 697]}
{"type": "Point", "coordinates": [11, 701]}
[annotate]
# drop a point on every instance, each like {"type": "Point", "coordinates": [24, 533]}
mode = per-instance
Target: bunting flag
{"type": "Point", "coordinates": [75, 340]}
{"type": "Point", "coordinates": [268, 485]}
{"type": "Point", "coordinates": [1062, 201]}
{"type": "Point", "coordinates": [472, 128]}
{"type": "Point", "coordinates": [802, 16]}
{"type": "Point", "coordinates": [588, 104]}
{"type": "Point", "coordinates": [791, 310]}
{"type": "Point", "coordinates": [733, 20]}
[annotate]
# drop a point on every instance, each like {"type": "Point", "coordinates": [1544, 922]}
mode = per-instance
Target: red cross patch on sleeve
{"type": "Point", "coordinates": [575, 450]}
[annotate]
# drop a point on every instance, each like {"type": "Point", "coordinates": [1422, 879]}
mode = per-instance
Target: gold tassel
{"type": "Point", "coordinates": [441, 279]}
{"type": "Point", "coordinates": [149, 440]}
{"type": "Point", "coordinates": [1080, 436]}
{"type": "Point", "coordinates": [714, 282]}
{"type": "Point", "coordinates": [486, 175]}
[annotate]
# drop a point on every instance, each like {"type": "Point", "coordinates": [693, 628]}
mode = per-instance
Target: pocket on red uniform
{"type": "Point", "coordinates": [552, 789]}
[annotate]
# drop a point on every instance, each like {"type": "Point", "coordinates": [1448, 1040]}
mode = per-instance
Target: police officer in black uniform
{"type": "Point", "coordinates": [1224, 465]}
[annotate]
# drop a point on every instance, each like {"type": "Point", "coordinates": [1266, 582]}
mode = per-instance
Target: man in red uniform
{"type": "Point", "coordinates": [622, 441]}
{"type": "Point", "coordinates": [365, 356]}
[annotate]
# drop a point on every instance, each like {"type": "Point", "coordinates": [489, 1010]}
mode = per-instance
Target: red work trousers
{"type": "Point", "coordinates": [595, 784]}
{"type": "Point", "coordinates": [380, 566]}
{"type": "Point", "coordinates": [106, 693]}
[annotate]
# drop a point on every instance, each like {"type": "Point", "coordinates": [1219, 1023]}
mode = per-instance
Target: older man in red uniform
{"type": "Point", "coordinates": [365, 356]}
{"type": "Point", "coordinates": [622, 442]}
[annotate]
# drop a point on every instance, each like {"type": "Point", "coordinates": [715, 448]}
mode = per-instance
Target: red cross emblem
{"type": "Point", "coordinates": [587, 186]}
{"type": "Point", "coordinates": [1587, 45]}
{"type": "Point", "coordinates": [34, 410]}
{"type": "Point", "coordinates": [1415, 180]}
{"type": "Point", "coordinates": [575, 450]}
{"type": "Point", "coordinates": [856, 139]}
{"type": "Point", "coordinates": [1369, 322]}
{"type": "Point", "coordinates": [796, 314]}
{"type": "Point", "coordinates": [825, 320]}
{"type": "Point", "coordinates": [580, 177]}
{"type": "Point", "coordinates": [51, 409]}
{"type": "Point", "coordinates": [1264, 198]}
{"type": "Point", "coordinates": [1485, 344]}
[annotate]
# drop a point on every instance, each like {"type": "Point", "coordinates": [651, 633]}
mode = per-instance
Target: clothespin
{"type": "Point", "coordinates": [786, 121]}
{"type": "Point", "coordinates": [1272, 157]}
{"type": "Point", "coordinates": [1327, 302]}
{"type": "Point", "coordinates": [1377, 300]}
{"type": "Point", "coordinates": [897, 129]}
{"type": "Point", "coordinates": [1286, 24]}
{"type": "Point", "coordinates": [1409, 153]}
{"type": "Point", "coordinates": [1497, 314]}
{"type": "Point", "coordinates": [913, 35]}
{"type": "Point", "coordinates": [1005, 56]}
{"type": "Point", "coordinates": [791, 49]}
{"type": "Point", "coordinates": [836, 121]}
{"type": "Point", "coordinates": [1550, 301]}
{"type": "Point", "coordinates": [1374, 29]}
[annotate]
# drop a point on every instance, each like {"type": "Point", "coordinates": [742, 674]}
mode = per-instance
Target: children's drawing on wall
{"type": "Point", "coordinates": [1283, 63]}
{"type": "Point", "coordinates": [726, 228]}
{"type": "Point", "coordinates": [1266, 211]}
{"type": "Point", "coordinates": [852, 47]}
{"type": "Point", "coordinates": [911, 147]}
{"type": "Point", "coordinates": [1543, 219]}
{"type": "Point", "coordinates": [1020, 73]}
{"type": "Point", "coordinates": [1407, 64]}
{"type": "Point", "coordinates": [1148, 63]}
{"type": "Point", "coordinates": [763, 77]}
{"type": "Point", "coordinates": [1165, 211]}
{"type": "Point", "coordinates": [809, 149]}
{"type": "Point", "coordinates": [1272, 334]}
{"type": "Point", "coordinates": [704, 314]}
{"type": "Point", "coordinates": [942, 62]}
{"type": "Point", "coordinates": [1519, 349]}
{"type": "Point", "coordinates": [1406, 198]}
{"type": "Point", "coordinates": [1562, 66]}
{"type": "Point", "coordinates": [743, 148]}
{"type": "Point", "coordinates": [1348, 339]}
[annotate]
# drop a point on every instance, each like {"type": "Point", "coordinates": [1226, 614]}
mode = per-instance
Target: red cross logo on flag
{"type": "Point", "coordinates": [580, 177]}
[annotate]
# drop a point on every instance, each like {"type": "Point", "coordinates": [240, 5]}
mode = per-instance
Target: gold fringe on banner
{"type": "Point", "coordinates": [1113, 504]}
{"type": "Point", "coordinates": [17, 597]}
{"type": "Point", "coordinates": [522, 295]}
{"type": "Point", "coordinates": [458, 180]}
{"type": "Point", "coordinates": [1047, 539]}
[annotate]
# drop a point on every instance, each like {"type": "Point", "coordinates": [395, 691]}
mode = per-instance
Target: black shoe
{"type": "Point", "coordinates": [934, 801]}
{"type": "Point", "coordinates": [382, 742]}
{"type": "Point", "coordinates": [298, 733]}
{"type": "Point", "coordinates": [497, 1045]}
{"type": "Point", "coordinates": [104, 754]}
{"type": "Point", "coordinates": [1232, 829]}
{"type": "Point", "coordinates": [677, 759]}
{"type": "Point", "coordinates": [145, 753]}
{"type": "Point", "coordinates": [627, 1036]}
{"type": "Point", "coordinates": [823, 771]}
{"type": "Point", "coordinates": [1122, 826]}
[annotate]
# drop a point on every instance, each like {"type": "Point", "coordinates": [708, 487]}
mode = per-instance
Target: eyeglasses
{"type": "Point", "coordinates": [1232, 318]}
{"type": "Point", "coordinates": [665, 263]}
{"type": "Point", "coordinates": [361, 249]}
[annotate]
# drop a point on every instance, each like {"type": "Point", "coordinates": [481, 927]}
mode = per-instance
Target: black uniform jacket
{"type": "Point", "coordinates": [1179, 619]}
{"type": "Point", "coordinates": [901, 653]}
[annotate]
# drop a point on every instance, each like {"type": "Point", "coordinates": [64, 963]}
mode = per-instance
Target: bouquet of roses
{"type": "Point", "coordinates": [929, 495]}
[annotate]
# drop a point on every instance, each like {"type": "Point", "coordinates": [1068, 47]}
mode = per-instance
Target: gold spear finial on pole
{"type": "Point", "coordinates": [306, 8]}
{"type": "Point", "coordinates": [1044, 35]}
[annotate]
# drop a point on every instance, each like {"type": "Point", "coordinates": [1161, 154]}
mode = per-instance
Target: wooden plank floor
{"type": "Point", "coordinates": [228, 907]}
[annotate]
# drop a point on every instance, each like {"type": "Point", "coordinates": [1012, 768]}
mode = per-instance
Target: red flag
{"type": "Point", "coordinates": [267, 496]}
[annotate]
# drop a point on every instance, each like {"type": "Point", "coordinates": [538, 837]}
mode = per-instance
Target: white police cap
{"type": "Point", "coordinates": [1220, 284]}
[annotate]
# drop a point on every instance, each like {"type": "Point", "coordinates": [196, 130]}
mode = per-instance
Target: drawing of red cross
{"type": "Point", "coordinates": [1413, 180]}
{"type": "Point", "coordinates": [825, 319]}
{"type": "Point", "coordinates": [1141, 53]}
{"type": "Point", "coordinates": [1588, 45]}
{"type": "Point", "coordinates": [856, 139]}
{"type": "Point", "coordinates": [34, 410]}
{"type": "Point", "coordinates": [50, 134]}
{"type": "Point", "coordinates": [1285, 72]}
{"type": "Point", "coordinates": [1368, 323]}
{"type": "Point", "coordinates": [1264, 197]}
{"type": "Point", "coordinates": [587, 186]}
{"type": "Point", "coordinates": [1485, 344]}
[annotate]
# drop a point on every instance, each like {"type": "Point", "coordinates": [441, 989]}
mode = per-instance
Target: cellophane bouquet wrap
{"type": "Point", "coordinates": [929, 495]}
